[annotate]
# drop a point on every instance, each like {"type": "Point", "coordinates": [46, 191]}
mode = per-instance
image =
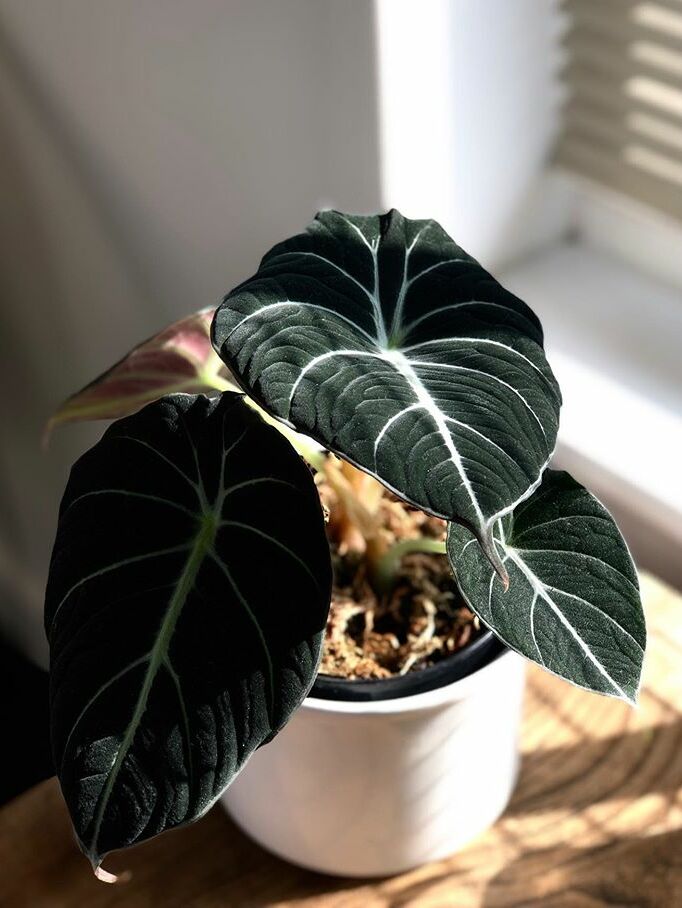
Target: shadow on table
{"type": "Point", "coordinates": [625, 766]}
{"type": "Point", "coordinates": [642, 872]}
{"type": "Point", "coordinates": [227, 868]}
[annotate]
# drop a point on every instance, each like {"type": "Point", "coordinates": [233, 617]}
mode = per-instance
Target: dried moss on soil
{"type": "Point", "coordinates": [421, 621]}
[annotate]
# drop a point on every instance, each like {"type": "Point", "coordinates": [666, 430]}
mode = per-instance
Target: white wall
{"type": "Point", "coordinates": [150, 152]}
{"type": "Point", "coordinates": [613, 339]}
{"type": "Point", "coordinates": [470, 106]}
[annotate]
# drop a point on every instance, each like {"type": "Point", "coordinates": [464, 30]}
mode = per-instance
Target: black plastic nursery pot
{"type": "Point", "coordinates": [465, 661]}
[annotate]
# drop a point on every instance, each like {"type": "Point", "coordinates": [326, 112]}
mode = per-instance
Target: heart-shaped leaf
{"type": "Point", "coordinates": [178, 359]}
{"type": "Point", "coordinates": [386, 342]}
{"type": "Point", "coordinates": [188, 593]}
{"type": "Point", "coordinates": [573, 601]}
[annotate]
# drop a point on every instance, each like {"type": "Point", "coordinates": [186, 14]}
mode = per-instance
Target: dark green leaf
{"type": "Point", "coordinates": [573, 601]}
{"type": "Point", "coordinates": [386, 342]}
{"type": "Point", "coordinates": [188, 594]}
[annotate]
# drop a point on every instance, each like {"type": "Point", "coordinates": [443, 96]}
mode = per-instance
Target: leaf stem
{"type": "Point", "coordinates": [306, 447]}
{"type": "Point", "coordinates": [385, 569]}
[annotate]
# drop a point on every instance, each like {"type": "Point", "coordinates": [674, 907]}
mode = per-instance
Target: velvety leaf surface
{"type": "Point", "coordinates": [386, 342]}
{"type": "Point", "coordinates": [178, 359]}
{"type": "Point", "coordinates": [573, 602]}
{"type": "Point", "coordinates": [188, 593]}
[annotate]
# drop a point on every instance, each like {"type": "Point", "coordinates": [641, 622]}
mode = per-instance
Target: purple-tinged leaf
{"type": "Point", "coordinates": [178, 359]}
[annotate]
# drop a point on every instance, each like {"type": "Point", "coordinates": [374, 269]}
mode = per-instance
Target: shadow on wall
{"type": "Point", "coordinates": [150, 155]}
{"type": "Point", "coordinates": [29, 327]}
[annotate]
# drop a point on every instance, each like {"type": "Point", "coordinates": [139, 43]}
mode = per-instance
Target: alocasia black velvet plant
{"type": "Point", "coordinates": [190, 579]}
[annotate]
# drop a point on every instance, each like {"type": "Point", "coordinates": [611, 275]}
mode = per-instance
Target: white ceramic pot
{"type": "Point", "coordinates": [375, 788]}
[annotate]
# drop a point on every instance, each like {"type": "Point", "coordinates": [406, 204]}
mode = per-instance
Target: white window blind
{"type": "Point", "coordinates": [623, 115]}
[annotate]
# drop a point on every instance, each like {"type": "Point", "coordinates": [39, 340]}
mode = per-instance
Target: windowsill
{"type": "Point", "coordinates": [613, 338]}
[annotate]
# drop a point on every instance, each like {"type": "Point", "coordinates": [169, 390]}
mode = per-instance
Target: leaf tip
{"type": "Point", "coordinates": [632, 694]}
{"type": "Point", "coordinates": [632, 699]}
{"type": "Point", "coordinates": [106, 877]}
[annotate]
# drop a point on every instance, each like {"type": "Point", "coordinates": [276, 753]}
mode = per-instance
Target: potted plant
{"type": "Point", "coordinates": [190, 582]}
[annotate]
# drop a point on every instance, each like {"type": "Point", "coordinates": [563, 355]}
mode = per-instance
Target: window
{"type": "Point", "coordinates": [623, 115]}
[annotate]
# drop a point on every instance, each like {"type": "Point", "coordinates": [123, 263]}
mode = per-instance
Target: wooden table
{"type": "Point", "coordinates": [596, 820]}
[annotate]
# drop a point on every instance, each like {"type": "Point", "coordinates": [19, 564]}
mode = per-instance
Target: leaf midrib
{"type": "Point", "coordinates": [158, 656]}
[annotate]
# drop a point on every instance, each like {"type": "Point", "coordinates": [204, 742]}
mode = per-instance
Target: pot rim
{"type": "Point", "coordinates": [450, 685]}
{"type": "Point", "coordinates": [459, 664]}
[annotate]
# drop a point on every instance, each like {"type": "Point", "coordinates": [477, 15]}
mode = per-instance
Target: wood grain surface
{"type": "Point", "coordinates": [596, 820]}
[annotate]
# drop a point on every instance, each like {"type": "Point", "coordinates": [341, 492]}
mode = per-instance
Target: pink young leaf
{"type": "Point", "coordinates": [178, 359]}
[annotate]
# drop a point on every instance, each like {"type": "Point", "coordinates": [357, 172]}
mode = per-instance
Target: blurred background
{"type": "Point", "coordinates": [152, 150]}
